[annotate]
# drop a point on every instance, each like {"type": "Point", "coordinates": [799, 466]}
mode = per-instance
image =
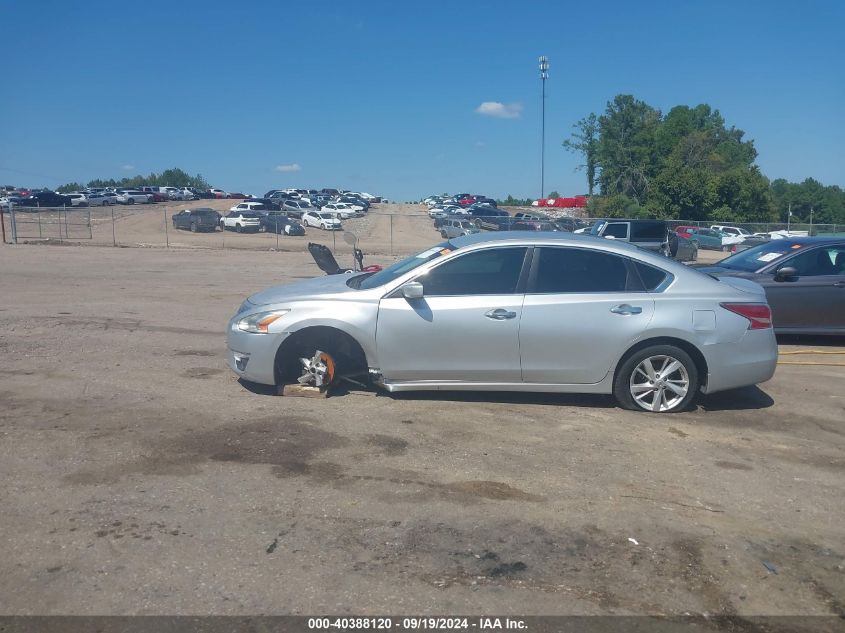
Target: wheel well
{"type": "Point", "coordinates": [351, 357]}
{"type": "Point", "coordinates": [689, 348]}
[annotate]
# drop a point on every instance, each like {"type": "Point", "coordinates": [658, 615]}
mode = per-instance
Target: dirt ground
{"type": "Point", "coordinates": [138, 476]}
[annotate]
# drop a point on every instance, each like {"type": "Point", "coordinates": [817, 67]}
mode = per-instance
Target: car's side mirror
{"type": "Point", "coordinates": [786, 273]}
{"type": "Point", "coordinates": [412, 290]}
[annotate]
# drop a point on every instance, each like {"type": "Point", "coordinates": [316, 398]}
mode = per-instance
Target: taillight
{"type": "Point", "coordinates": [759, 314]}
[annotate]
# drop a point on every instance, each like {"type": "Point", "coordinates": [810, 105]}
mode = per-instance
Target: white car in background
{"type": "Point", "coordinates": [241, 221]}
{"type": "Point", "coordinates": [132, 196]}
{"type": "Point", "coordinates": [342, 210]}
{"type": "Point", "coordinates": [78, 199]}
{"type": "Point", "coordinates": [733, 231]}
{"type": "Point", "coordinates": [321, 220]}
{"type": "Point", "coordinates": [255, 207]}
{"type": "Point", "coordinates": [101, 199]}
{"type": "Point", "coordinates": [219, 193]}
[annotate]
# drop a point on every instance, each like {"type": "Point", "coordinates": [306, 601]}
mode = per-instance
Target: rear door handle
{"type": "Point", "coordinates": [624, 308]}
{"type": "Point", "coordinates": [500, 314]}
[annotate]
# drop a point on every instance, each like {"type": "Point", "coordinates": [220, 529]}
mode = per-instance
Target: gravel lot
{"type": "Point", "coordinates": [137, 476]}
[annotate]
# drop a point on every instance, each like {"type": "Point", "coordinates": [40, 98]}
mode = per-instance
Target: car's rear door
{"type": "Point", "coordinates": [582, 309]}
{"type": "Point", "coordinates": [465, 328]}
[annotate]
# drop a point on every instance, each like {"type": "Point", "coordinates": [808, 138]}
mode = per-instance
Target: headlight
{"type": "Point", "coordinates": [259, 322]}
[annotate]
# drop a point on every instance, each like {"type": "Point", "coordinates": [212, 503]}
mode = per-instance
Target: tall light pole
{"type": "Point", "coordinates": [544, 74]}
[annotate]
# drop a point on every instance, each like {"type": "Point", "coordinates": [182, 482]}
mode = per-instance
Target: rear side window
{"type": "Point", "coordinates": [575, 270]}
{"type": "Point", "coordinates": [648, 231]}
{"type": "Point", "coordinates": [652, 277]}
{"type": "Point", "coordinates": [619, 230]}
{"type": "Point", "coordinates": [492, 271]}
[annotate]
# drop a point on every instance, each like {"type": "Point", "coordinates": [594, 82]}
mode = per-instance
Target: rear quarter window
{"type": "Point", "coordinates": [652, 277]}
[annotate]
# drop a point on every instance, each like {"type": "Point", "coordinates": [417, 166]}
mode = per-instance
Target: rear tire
{"type": "Point", "coordinates": [659, 379]}
{"type": "Point", "coordinates": [193, 227]}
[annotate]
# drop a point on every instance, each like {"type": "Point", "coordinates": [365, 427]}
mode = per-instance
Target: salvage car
{"type": "Point", "coordinates": [279, 222]}
{"type": "Point", "coordinates": [515, 312]}
{"type": "Point", "coordinates": [242, 221]}
{"type": "Point", "coordinates": [325, 221]}
{"type": "Point", "coordinates": [202, 219]}
{"type": "Point", "coordinates": [804, 280]}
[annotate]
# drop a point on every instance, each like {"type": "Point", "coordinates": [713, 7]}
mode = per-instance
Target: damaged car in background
{"type": "Point", "coordinates": [517, 311]}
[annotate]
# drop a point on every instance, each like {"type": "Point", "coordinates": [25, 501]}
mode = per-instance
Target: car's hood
{"type": "Point", "coordinates": [303, 290]}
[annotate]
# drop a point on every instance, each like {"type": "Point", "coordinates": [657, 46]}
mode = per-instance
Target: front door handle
{"type": "Point", "coordinates": [500, 314]}
{"type": "Point", "coordinates": [840, 284]}
{"type": "Point", "coordinates": [624, 308]}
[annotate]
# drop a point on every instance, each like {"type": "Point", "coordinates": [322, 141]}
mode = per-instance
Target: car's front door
{"type": "Point", "coordinates": [813, 300]}
{"type": "Point", "coordinates": [583, 308]}
{"type": "Point", "coordinates": [464, 328]}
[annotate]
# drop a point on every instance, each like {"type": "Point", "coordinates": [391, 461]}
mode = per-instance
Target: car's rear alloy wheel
{"type": "Point", "coordinates": [660, 379]}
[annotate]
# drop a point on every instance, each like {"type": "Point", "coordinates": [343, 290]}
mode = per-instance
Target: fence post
{"type": "Point", "coordinates": [39, 225]}
{"type": "Point", "coordinates": [14, 223]}
{"type": "Point", "coordinates": [62, 214]}
{"type": "Point", "coordinates": [113, 236]}
{"type": "Point", "coordinates": [334, 242]}
{"type": "Point", "coordinates": [166, 233]}
{"type": "Point", "coordinates": [3, 221]}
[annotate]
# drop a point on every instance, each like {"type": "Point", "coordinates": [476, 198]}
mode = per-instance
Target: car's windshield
{"type": "Point", "coordinates": [401, 267]}
{"type": "Point", "coordinates": [326, 216]}
{"type": "Point", "coordinates": [759, 256]}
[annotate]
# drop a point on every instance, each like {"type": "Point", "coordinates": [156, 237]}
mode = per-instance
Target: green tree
{"type": "Point", "coordinates": [625, 150]}
{"type": "Point", "coordinates": [584, 141]}
{"type": "Point", "coordinates": [554, 194]}
{"type": "Point", "coordinates": [71, 186]}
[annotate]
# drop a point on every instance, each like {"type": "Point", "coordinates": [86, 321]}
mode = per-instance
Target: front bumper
{"type": "Point", "coordinates": [253, 356]}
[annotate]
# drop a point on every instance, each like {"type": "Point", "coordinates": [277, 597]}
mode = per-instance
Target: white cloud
{"type": "Point", "coordinates": [288, 168]}
{"type": "Point", "coordinates": [127, 167]}
{"type": "Point", "coordinates": [500, 110]}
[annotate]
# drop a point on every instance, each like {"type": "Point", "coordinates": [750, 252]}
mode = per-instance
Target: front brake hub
{"type": "Point", "coordinates": [318, 371]}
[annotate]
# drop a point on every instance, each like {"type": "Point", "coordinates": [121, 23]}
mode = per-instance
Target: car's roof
{"type": "Point", "coordinates": [557, 238]}
{"type": "Point", "coordinates": [808, 241]}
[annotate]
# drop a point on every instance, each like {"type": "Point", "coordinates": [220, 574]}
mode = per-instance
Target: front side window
{"type": "Point", "coordinates": [493, 271]}
{"type": "Point", "coordinates": [821, 261]}
{"type": "Point", "coordinates": [576, 270]}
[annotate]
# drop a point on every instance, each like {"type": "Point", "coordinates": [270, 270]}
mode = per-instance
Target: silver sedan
{"type": "Point", "coordinates": [515, 312]}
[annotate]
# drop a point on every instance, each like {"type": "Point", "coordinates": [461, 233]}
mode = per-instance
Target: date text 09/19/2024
{"type": "Point", "coordinates": [416, 623]}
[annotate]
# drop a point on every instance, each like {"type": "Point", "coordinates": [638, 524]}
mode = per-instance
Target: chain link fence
{"type": "Point", "coordinates": [386, 230]}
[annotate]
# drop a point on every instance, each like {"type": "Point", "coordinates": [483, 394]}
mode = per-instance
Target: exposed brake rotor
{"type": "Point", "coordinates": [318, 371]}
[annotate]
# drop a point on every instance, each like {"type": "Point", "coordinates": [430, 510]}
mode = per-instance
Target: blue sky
{"type": "Point", "coordinates": [383, 96]}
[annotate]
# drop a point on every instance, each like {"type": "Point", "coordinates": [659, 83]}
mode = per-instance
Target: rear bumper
{"type": "Point", "coordinates": [749, 361]}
